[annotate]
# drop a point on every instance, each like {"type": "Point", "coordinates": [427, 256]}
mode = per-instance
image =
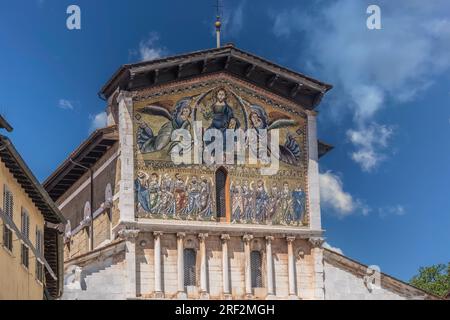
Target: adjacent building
{"type": "Point", "coordinates": [142, 226]}
{"type": "Point", "coordinates": [31, 261]}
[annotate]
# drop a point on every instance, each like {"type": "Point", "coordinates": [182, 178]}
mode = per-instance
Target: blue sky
{"type": "Point", "coordinates": [386, 185]}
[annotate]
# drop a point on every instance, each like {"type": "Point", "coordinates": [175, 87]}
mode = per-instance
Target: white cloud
{"type": "Point", "coordinates": [371, 69]}
{"type": "Point", "coordinates": [369, 142]}
{"type": "Point", "coordinates": [333, 196]}
{"type": "Point", "coordinates": [98, 121]}
{"type": "Point", "coordinates": [397, 210]}
{"type": "Point", "coordinates": [65, 104]}
{"type": "Point", "coordinates": [326, 245]}
{"type": "Point", "coordinates": [149, 49]}
{"type": "Point", "coordinates": [234, 21]}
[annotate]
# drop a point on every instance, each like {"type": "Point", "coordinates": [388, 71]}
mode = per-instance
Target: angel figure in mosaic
{"type": "Point", "coordinates": [290, 151]}
{"type": "Point", "coordinates": [237, 202]}
{"type": "Point", "coordinates": [205, 199]}
{"type": "Point", "coordinates": [148, 141]}
{"type": "Point", "coordinates": [166, 199]}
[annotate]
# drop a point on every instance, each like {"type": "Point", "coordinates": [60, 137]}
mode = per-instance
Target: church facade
{"type": "Point", "coordinates": [145, 225]}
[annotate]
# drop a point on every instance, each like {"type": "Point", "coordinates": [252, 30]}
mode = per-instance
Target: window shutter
{"type": "Point", "coordinates": [8, 202]}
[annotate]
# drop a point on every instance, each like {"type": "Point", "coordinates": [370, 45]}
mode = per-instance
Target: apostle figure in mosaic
{"type": "Point", "coordinates": [194, 203]}
{"type": "Point", "coordinates": [166, 199]}
{"type": "Point", "coordinates": [180, 196]}
{"type": "Point", "coordinates": [237, 202]}
{"type": "Point", "coordinates": [273, 203]}
{"type": "Point", "coordinates": [153, 192]}
{"type": "Point", "coordinates": [299, 198]}
{"type": "Point", "coordinates": [248, 202]}
{"type": "Point", "coordinates": [261, 199]}
{"type": "Point", "coordinates": [148, 141]}
{"type": "Point", "coordinates": [141, 191]}
{"type": "Point", "coordinates": [205, 199]}
{"type": "Point", "coordinates": [287, 214]}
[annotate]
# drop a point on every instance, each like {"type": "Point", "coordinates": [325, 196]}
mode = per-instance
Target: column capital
{"type": "Point", "coordinates": [290, 239]}
{"type": "Point", "coordinates": [124, 96]}
{"type": "Point", "coordinates": [225, 237]}
{"type": "Point", "coordinates": [157, 234]}
{"type": "Point", "coordinates": [181, 235]}
{"type": "Point", "coordinates": [247, 237]}
{"type": "Point", "coordinates": [269, 239]}
{"type": "Point", "coordinates": [202, 236]}
{"type": "Point", "coordinates": [128, 234]}
{"type": "Point", "coordinates": [316, 242]}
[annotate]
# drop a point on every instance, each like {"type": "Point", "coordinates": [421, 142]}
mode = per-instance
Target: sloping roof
{"type": "Point", "coordinates": [324, 148]}
{"type": "Point", "coordinates": [292, 85]}
{"type": "Point", "coordinates": [19, 169]}
{"type": "Point", "coordinates": [387, 281]}
{"type": "Point", "coordinates": [87, 154]}
{"type": "Point", "coordinates": [5, 125]}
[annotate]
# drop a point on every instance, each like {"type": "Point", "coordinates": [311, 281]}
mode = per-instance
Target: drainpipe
{"type": "Point", "coordinates": [91, 228]}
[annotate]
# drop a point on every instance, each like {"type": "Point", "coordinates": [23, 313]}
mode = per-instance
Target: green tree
{"type": "Point", "coordinates": [434, 279]}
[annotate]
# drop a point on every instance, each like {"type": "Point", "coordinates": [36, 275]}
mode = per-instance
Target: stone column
{"type": "Point", "coordinates": [180, 265]}
{"type": "Point", "coordinates": [203, 276]}
{"type": "Point", "coordinates": [269, 267]}
{"type": "Point", "coordinates": [291, 267]}
{"type": "Point", "coordinates": [317, 251]}
{"type": "Point", "coordinates": [158, 277]}
{"type": "Point", "coordinates": [313, 174]}
{"type": "Point", "coordinates": [126, 184]}
{"type": "Point", "coordinates": [248, 269]}
{"type": "Point", "coordinates": [225, 267]}
{"type": "Point", "coordinates": [130, 236]}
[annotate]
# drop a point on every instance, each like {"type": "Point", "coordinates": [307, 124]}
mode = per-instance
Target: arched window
{"type": "Point", "coordinates": [189, 267]}
{"type": "Point", "coordinates": [221, 187]}
{"type": "Point", "coordinates": [108, 206]}
{"type": "Point", "coordinates": [87, 212]}
{"type": "Point", "coordinates": [256, 269]}
{"type": "Point", "coordinates": [108, 195]}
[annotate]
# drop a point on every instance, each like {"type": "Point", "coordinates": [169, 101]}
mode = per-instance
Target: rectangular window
{"type": "Point", "coordinates": [8, 206]}
{"type": "Point", "coordinates": [7, 238]}
{"type": "Point", "coordinates": [8, 202]}
{"type": "Point", "coordinates": [39, 241]}
{"type": "Point", "coordinates": [256, 269]}
{"type": "Point", "coordinates": [25, 224]}
{"type": "Point", "coordinates": [189, 267]}
{"type": "Point", "coordinates": [25, 256]}
{"type": "Point", "coordinates": [39, 271]}
{"type": "Point", "coordinates": [40, 250]}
